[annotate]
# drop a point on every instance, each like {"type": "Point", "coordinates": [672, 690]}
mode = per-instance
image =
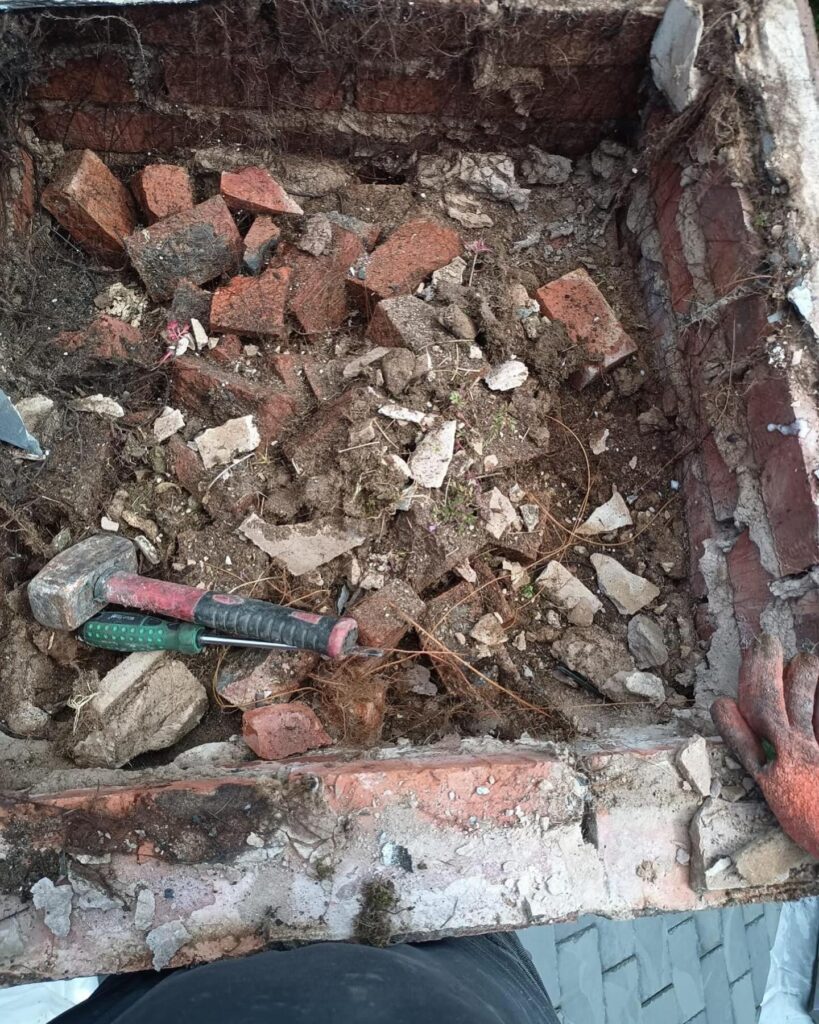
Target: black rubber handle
{"type": "Point", "coordinates": [259, 620]}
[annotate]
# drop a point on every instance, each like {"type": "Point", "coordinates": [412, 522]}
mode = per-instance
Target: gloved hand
{"type": "Point", "coordinates": [778, 704]}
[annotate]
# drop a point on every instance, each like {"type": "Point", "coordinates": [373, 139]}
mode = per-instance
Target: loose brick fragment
{"type": "Point", "coordinates": [262, 237]}
{"type": "Point", "coordinates": [252, 306]}
{"type": "Point", "coordinates": [106, 338]}
{"type": "Point", "coordinates": [91, 204]}
{"type": "Point", "coordinates": [399, 265]}
{"type": "Point", "coordinates": [162, 190]}
{"type": "Point", "coordinates": [255, 190]}
{"type": "Point", "coordinates": [217, 394]}
{"type": "Point", "coordinates": [406, 322]}
{"type": "Point", "coordinates": [319, 299]}
{"type": "Point", "coordinates": [281, 730]}
{"type": "Point", "coordinates": [578, 303]}
{"type": "Point", "coordinates": [198, 245]}
{"type": "Point", "coordinates": [246, 678]}
{"type": "Point", "coordinates": [384, 616]}
{"type": "Point", "coordinates": [228, 349]}
{"type": "Point", "coordinates": [191, 303]}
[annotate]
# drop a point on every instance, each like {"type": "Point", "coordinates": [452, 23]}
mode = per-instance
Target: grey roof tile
{"type": "Point", "coordinates": [717, 992]}
{"type": "Point", "coordinates": [742, 1000]}
{"type": "Point", "coordinates": [772, 912]}
{"type": "Point", "coordinates": [621, 992]}
{"type": "Point", "coordinates": [709, 929]}
{"type": "Point", "coordinates": [735, 943]}
{"type": "Point", "coordinates": [616, 941]}
{"type": "Point", "coordinates": [567, 928]}
{"type": "Point", "coordinates": [751, 911]}
{"type": "Point", "coordinates": [651, 940]}
{"type": "Point", "coordinates": [759, 949]}
{"type": "Point", "coordinates": [581, 978]}
{"type": "Point", "coordinates": [540, 944]}
{"type": "Point", "coordinates": [686, 969]}
{"type": "Point", "coordinates": [662, 1009]}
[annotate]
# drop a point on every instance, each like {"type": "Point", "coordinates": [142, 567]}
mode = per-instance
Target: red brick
{"type": "Point", "coordinates": [744, 325]}
{"type": "Point", "coordinates": [410, 254]}
{"type": "Point", "coordinates": [190, 302]}
{"type": "Point", "coordinates": [228, 350]}
{"type": "Point", "coordinates": [722, 481]}
{"type": "Point", "coordinates": [195, 245]}
{"type": "Point", "coordinates": [806, 620]}
{"type": "Point", "coordinates": [100, 79]}
{"type": "Point", "coordinates": [123, 129]}
{"type": "Point", "coordinates": [382, 615]}
{"type": "Point", "coordinates": [185, 465]}
{"type": "Point", "coordinates": [290, 371]}
{"type": "Point", "coordinates": [319, 298]}
{"type": "Point", "coordinates": [789, 488]}
{"type": "Point", "coordinates": [106, 338]}
{"type": "Point", "coordinates": [732, 246]}
{"type": "Point", "coordinates": [162, 190]}
{"type": "Point", "coordinates": [576, 300]}
{"type": "Point", "coordinates": [252, 306]}
{"type": "Point", "coordinates": [23, 194]}
{"type": "Point", "coordinates": [242, 81]}
{"type": "Point", "coordinates": [380, 93]}
{"type": "Point", "coordinates": [281, 730]}
{"type": "Point", "coordinates": [363, 714]}
{"type": "Point", "coordinates": [261, 238]}
{"type": "Point", "coordinates": [92, 205]}
{"type": "Point", "coordinates": [749, 582]}
{"type": "Point", "coordinates": [328, 426]}
{"type": "Point", "coordinates": [247, 678]}
{"type": "Point", "coordinates": [405, 322]}
{"type": "Point", "coordinates": [667, 190]}
{"type": "Point", "coordinates": [216, 393]}
{"type": "Point", "coordinates": [255, 190]}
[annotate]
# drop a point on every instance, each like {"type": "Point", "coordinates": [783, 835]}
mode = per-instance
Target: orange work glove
{"type": "Point", "coordinates": [778, 704]}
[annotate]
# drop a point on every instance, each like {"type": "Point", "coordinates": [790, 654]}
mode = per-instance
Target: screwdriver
{"type": "Point", "coordinates": [133, 631]}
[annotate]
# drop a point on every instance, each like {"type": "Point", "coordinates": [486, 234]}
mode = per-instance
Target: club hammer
{"type": "Point", "coordinates": [83, 579]}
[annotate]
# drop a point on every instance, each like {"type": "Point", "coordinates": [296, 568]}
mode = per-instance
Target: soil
{"type": "Point", "coordinates": [539, 434]}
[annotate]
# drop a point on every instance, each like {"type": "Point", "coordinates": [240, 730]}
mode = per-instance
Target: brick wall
{"type": "Point", "coordinates": [316, 74]}
{"type": "Point", "coordinates": [748, 486]}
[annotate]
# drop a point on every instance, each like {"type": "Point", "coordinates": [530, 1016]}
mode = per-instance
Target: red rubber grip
{"type": "Point", "coordinates": [131, 591]}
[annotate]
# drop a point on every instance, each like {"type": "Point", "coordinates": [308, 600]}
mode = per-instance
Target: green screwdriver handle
{"type": "Point", "coordinates": [131, 631]}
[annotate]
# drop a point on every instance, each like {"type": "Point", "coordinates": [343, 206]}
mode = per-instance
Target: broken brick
{"type": "Point", "coordinates": [185, 465]}
{"type": "Point", "coordinates": [252, 306]}
{"type": "Point", "coordinates": [749, 582]}
{"type": "Point", "coordinates": [106, 338]}
{"type": "Point", "coordinates": [430, 548]}
{"type": "Point", "coordinates": [410, 254]}
{"type": "Point", "coordinates": [255, 190]}
{"type": "Point", "coordinates": [228, 349]}
{"type": "Point", "coordinates": [261, 238]}
{"type": "Point", "coordinates": [191, 303]}
{"type": "Point", "coordinates": [216, 393]}
{"type": "Point", "coordinates": [91, 204]}
{"type": "Point", "coordinates": [328, 427]}
{"type": "Point", "coordinates": [578, 303]}
{"type": "Point", "coordinates": [247, 678]}
{"type": "Point", "coordinates": [278, 731]}
{"type": "Point", "coordinates": [318, 298]}
{"type": "Point", "coordinates": [162, 190]}
{"type": "Point", "coordinates": [384, 615]}
{"type": "Point", "coordinates": [197, 244]}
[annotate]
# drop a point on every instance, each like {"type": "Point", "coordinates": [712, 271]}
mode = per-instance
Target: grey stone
{"type": "Point", "coordinates": [636, 685]}
{"type": "Point", "coordinates": [166, 941]}
{"type": "Point", "coordinates": [217, 446]}
{"type": "Point", "coordinates": [144, 909]}
{"type": "Point", "coordinates": [694, 766]}
{"type": "Point", "coordinates": [627, 591]}
{"type": "Point", "coordinates": [11, 939]}
{"type": "Point", "coordinates": [456, 321]}
{"type": "Point", "coordinates": [507, 376]}
{"type": "Point", "coordinates": [770, 858]}
{"type": "Point", "coordinates": [595, 654]}
{"type": "Point", "coordinates": [302, 547]}
{"type": "Point", "coordinates": [646, 642]}
{"type": "Point", "coordinates": [719, 830]}
{"type": "Point", "coordinates": [55, 901]}
{"type": "Point", "coordinates": [539, 168]}
{"type": "Point", "coordinates": [568, 594]}
{"type": "Point", "coordinates": [398, 367]}
{"type": "Point", "coordinates": [674, 53]}
{"type": "Point", "coordinates": [146, 702]}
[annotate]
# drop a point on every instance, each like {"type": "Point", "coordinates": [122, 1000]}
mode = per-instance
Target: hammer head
{"type": "Point", "coordinates": [61, 595]}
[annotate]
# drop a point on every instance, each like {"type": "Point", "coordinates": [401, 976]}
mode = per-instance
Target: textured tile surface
{"type": "Point", "coordinates": [706, 968]}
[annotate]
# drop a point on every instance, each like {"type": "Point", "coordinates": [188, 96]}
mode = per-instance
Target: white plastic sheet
{"type": "Point", "coordinates": [793, 960]}
{"type": "Point", "coordinates": [43, 1001]}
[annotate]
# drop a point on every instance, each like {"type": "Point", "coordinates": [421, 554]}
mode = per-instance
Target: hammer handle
{"type": "Point", "coordinates": [256, 620]}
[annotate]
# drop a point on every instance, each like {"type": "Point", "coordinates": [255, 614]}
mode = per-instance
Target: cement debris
{"type": "Point", "coordinates": [627, 591]}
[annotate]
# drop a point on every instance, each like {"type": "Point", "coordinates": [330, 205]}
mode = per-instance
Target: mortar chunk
{"type": "Point", "coordinates": [565, 591]}
{"type": "Point", "coordinates": [218, 446]}
{"type": "Point", "coordinates": [627, 591]}
{"type": "Point", "coordinates": [146, 702]}
{"type": "Point", "coordinates": [694, 766]}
